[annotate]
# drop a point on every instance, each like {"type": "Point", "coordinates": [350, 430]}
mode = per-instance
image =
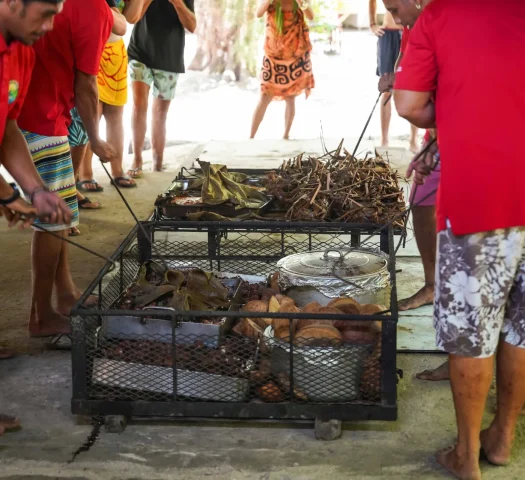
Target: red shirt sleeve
{"type": "Point", "coordinates": [404, 40]}
{"type": "Point", "coordinates": [21, 67]}
{"type": "Point", "coordinates": [91, 25]}
{"type": "Point", "coordinates": [418, 69]}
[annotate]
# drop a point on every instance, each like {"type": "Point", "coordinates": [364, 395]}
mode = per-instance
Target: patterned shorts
{"type": "Point", "coordinates": [164, 83]}
{"type": "Point", "coordinates": [52, 159]}
{"type": "Point", "coordinates": [77, 133]}
{"type": "Point", "coordinates": [480, 291]}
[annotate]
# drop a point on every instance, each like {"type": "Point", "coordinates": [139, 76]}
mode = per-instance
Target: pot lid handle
{"type": "Point", "coordinates": [340, 252]}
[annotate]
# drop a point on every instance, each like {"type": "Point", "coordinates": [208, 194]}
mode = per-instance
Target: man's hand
{"type": "Point", "coordinates": [377, 30]}
{"type": "Point", "coordinates": [421, 166]}
{"type": "Point", "coordinates": [104, 151]}
{"type": "Point", "coordinates": [14, 211]}
{"type": "Point", "coordinates": [51, 208]}
{"type": "Point", "coordinates": [386, 82]}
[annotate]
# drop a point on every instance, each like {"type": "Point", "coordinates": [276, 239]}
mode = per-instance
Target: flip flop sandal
{"type": "Point", "coordinates": [59, 341]}
{"type": "Point", "coordinates": [81, 188]}
{"type": "Point", "coordinates": [121, 182]}
{"type": "Point", "coordinates": [74, 232]}
{"type": "Point", "coordinates": [135, 173]}
{"type": "Point", "coordinates": [8, 423]}
{"type": "Point", "coordinates": [86, 201]}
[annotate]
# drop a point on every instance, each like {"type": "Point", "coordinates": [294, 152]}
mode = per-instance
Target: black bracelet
{"type": "Point", "coordinates": [13, 197]}
{"type": "Point", "coordinates": [36, 191]}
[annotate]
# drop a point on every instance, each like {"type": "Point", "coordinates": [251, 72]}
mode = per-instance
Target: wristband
{"type": "Point", "coordinates": [13, 197]}
{"type": "Point", "coordinates": [36, 191]}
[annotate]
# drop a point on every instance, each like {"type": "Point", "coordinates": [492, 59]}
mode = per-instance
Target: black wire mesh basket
{"type": "Point", "coordinates": [161, 361]}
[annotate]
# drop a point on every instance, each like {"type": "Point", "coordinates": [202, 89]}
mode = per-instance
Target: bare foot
{"type": "Point", "coordinates": [496, 448]}
{"type": "Point", "coordinates": [413, 148]}
{"type": "Point", "coordinates": [7, 422]}
{"type": "Point", "coordinates": [458, 467]}
{"type": "Point", "coordinates": [439, 374]}
{"type": "Point", "coordinates": [49, 325]}
{"type": "Point", "coordinates": [384, 144]}
{"type": "Point", "coordinates": [5, 354]}
{"type": "Point", "coordinates": [65, 303]}
{"type": "Point", "coordinates": [425, 296]}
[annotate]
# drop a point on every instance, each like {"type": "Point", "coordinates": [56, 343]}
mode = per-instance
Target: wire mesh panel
{"type": "Point", "coordinates": [229, 363]}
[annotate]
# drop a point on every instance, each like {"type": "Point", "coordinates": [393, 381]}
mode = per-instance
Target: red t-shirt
{"type": "Point", "coordinates": [75, 43]}
{"type": "Point", "coordinates": [404, 40]}
{"type": "Point", "coordinates": [16, 65]}
{"type": "Point", "coordinates": [470, 53]}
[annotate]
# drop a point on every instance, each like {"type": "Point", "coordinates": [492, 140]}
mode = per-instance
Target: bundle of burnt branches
{"type": "Point", "coordinates": [337, 187]}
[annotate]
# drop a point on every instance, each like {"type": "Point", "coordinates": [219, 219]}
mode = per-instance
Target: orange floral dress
{"type": "Point", "coordinates": [287, 66]}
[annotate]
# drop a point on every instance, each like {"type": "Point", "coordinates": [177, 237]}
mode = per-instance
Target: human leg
{"type": "Point", "coordinates": [164, 87]}
{"type": "Point", "coordinates": [158, 131]}
{"type": "Point", "coordinates": [289, 116]}
{"type": "Point", "coordinates": [413, 138]}
{"type": "Point", "coordinates": [424, 218]}
{"type": "Point", "coordinates": [52, 159]}
{"type": "Point", "coordinates": [469, 311]}
{"type": "Point", "coordinates": [386, 115]}
{"type": "Point", "coordinates": [259, 113]}
{"type": "Point", "coordinates": [498, 438]}
{"type": "Point", "coordinates": [142, 78]}
{"type": "Point", "coordinates": [115, 135]}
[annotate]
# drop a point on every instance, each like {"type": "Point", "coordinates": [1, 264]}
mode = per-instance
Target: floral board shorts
{"type": "Point", "coordinates": [480, 291]}
{"type": "Point", "coordinates": [164, 83]}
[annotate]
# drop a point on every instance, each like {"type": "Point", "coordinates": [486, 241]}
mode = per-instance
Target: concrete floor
{"type": "Point", "coordinates": [37, 388]}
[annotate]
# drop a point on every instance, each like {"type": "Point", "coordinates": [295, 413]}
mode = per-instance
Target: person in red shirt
{"type": "Point", "coordinates": [480, 281]}
{"type": "Point", "coordinates": [65, 75]}
{"type": "Point", "coordinates": [422, 198]}
{"type": "Point", "coordinates": [21, 24]}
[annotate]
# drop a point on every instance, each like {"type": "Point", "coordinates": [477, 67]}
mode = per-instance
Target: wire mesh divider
{"type": "Point", "coordinates": [154, 363]}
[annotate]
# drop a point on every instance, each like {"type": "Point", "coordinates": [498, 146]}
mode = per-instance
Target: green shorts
{"type": "Point", "coordinates": [164, 83]}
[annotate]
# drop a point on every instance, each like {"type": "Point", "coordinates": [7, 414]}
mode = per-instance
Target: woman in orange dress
{"type": "Point", "coordinates": [287, 66]}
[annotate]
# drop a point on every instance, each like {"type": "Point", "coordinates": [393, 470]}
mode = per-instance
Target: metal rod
{"type": "Point", "coordinates": [388, 99]}
{"type": "Point", "coordinates": [148, 238]}
{"type": "Point", "coordinates": [366, 125]}
{"type": "Point", "coordinates": [88, 250]}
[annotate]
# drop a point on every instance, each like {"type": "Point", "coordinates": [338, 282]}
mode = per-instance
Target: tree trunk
{"type": "Point", "coordinates": [227, 35]}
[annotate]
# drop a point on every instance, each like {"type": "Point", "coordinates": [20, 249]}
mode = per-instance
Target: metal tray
{"type": "Point", "coordinates": [150, 378]}
{"type": "Point", "coordinates": [225, 210]}
{"type": "Point", "coordinates": [129, 327]}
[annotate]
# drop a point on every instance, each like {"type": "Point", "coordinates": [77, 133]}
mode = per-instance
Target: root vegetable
{"type": "Point", "coordinates": [270, 392]}
{"type": "Point", "coordinates": [255, 306]}
{"type": "Point", "coordinates": [318, 336]}
{"type": "Point", "coordinates": [284, 382]}
{"type": "Point", "coordinates": [248, 328]}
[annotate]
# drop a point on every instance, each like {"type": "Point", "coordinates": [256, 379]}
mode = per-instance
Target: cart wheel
{"type": "Point", "coordinates": [328, 429]}
{"type": "Point", "coordinates": [115, 423]}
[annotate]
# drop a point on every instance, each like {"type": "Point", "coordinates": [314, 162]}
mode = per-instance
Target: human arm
{"type": "Point", "coordinates": [14, 210]}
{"type": "Point", "coordinates": [86, 101]}
{"type": "Point", "coordinates": [133, 10]}
{"type": "Point", "coordinates": [263, 7]}
{"type": "Point", "coordinates": [186, 15]}
{"type": "Point", "coordinates": [372, 13]}
{"type": "Point", "coordinates": [120, 25]}
{"type": "Point", "coordinates": [416, 107]}
{"type": "Point", "coordinates": [16, 158]}
{"type": "Point", "coordinates": [307, 9]}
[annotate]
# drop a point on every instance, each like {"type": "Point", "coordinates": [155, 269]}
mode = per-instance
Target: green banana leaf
{"type": "Point", "coordinates": [219, 187]}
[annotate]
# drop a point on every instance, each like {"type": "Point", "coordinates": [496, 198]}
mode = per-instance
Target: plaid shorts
{"type": "Point", "coordinates": [480, 291]}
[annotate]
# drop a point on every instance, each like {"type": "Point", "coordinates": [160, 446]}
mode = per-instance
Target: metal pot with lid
{"type": "Point", "coordinates": [324, 275]}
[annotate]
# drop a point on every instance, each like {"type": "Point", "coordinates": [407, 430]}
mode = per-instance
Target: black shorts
{"type": "Point", "coordinates": [388, 47]}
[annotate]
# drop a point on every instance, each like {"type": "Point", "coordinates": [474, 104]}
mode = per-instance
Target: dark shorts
{"type": "Point", "coordinates": [388, 48]}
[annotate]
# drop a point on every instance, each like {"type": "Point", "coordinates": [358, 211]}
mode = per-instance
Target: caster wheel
{"type": "Point", "coordinates": [115, 423]}
{"type": "Point", "coordinates": [328, 429]}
